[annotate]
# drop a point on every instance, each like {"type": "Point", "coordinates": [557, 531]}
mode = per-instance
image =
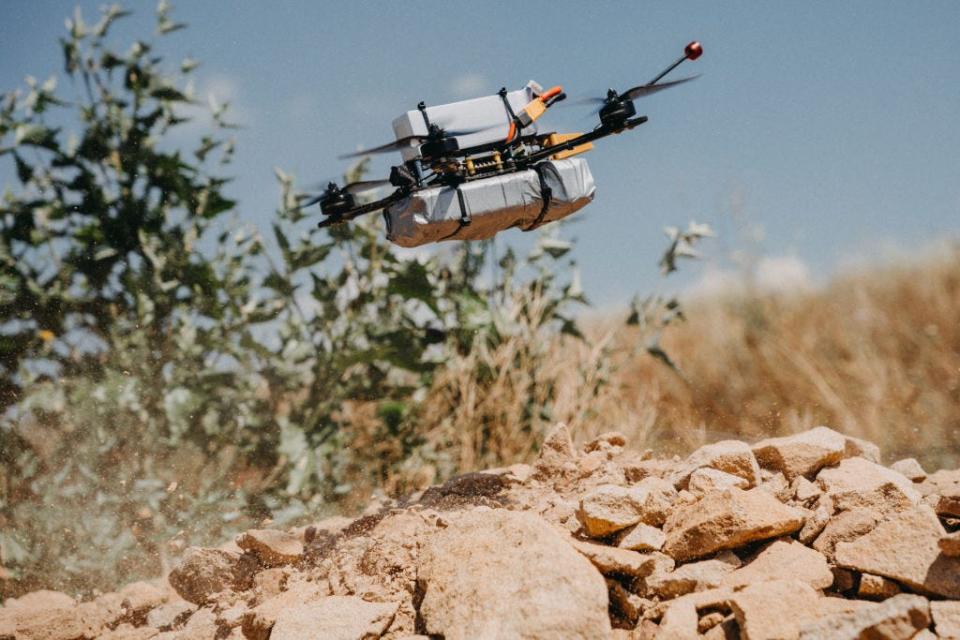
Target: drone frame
{"type": "Point", "coordinates": [451, 165]}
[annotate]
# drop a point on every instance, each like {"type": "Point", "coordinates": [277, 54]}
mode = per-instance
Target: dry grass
{"type": "Point", "coordinates": [875, 354]}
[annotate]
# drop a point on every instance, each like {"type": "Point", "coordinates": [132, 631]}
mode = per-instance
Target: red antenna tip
{"type": "Point", "coordinates": [693, 50]}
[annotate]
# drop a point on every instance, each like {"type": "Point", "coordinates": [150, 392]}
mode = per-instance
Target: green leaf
{"type": "Point", "coordinates": [168, 93]}
{"type": "Point", "coordinates": [168, 26]}
{"type": "Point", "coordinates": [216, 204]}
{"type": "Point", "coordinates": [279, 284]}
{"type": "Point", "coordinates": [188, 65]}
{"type": "Point", "coordinates": [24, 170]}
{"type": "Point", "coordinates": [110, 60]}
{"type": "Point", "coordinates": [281, 239]}
{"type": "Point", "coordinates": [410, 281]}
{"type": "Point", "coordinates": [309, 256]}
{"type": "Point", "coordinates": [555, 247]}
{"type": "Point", "coordinates": [37, 136]}
{"type": "Point", "coordinates": [569, 327]}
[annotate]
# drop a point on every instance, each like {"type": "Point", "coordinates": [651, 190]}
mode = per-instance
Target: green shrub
{"type": "Point", "coordinates": [165, 377]}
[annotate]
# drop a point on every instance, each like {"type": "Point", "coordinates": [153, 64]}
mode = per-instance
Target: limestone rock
{"type": "Point", "coordinates": [690, 577]}
{"type": "Point", "coordinates": [857, 483]}
{"type": "Point", "coordinates": [876, 587]}
{"type": "Point", "coordinates": [656, 497]}
{"type": "Point", "coordinates": [706, 479]}
{"type": "Point", "coordinates": [709, 621]}
{"type": "Point", "coordinates": [845, 527]}
{"type": "Point", "coordinates": [725, 520]}
{"type": "Point", "coordinates": [898, 618]}
{"type": "Point", "coordinates": [859, 448]}
{"type": "Point", "coordinates": [817, 520]}
{"type": "Point", "coordinates": [774, 609]}
{"type": "Point", "coordinates": [514, 577]}
{"type": "Point", "coordinates": [642, 537]}
{"type": "Point", "coordinates": [557, 455]}
{"type": "Point", "coordinates": [202, 624]}
{"type": "Point", "coordinates": [844, 580]}
{"type": "Point", "coordinates": [611, 560]}
{"type": "Point", "coordinates": [730, 456]}
{"type": "Point", "coordinates": [334, 618]}
{"type": "Point", "coordinates": [127, 631]}
{"type": "Point", "coordinates": [629, 605]}
{"type": "Point", "coordinates": [272, 548]}
{"type": "Point", "coordinates": [905, 548]}
{"type": "Point", "coordinates": [203, 573]}
{"type": "Point", "coordinates": [680, 619]}
{"type": "Point", "coordinates": [611, 442]}
{"type": "Point", "coordinates": [638, 468]}
{"type": "Point", "coordinates": [171, 615]}
{"type": "Point", "coordinates": [777, 485]}
{"type": "Point", "coordinates": [138, 599]}
{"type": "Point", "coordinates": [599, 467]}
{"type": "Point", "coordinates": [728, 629]}
{"type": "Point", "coordinates": [258, 622]}
{"type": "Point", "coordinates": [325, 529]}
{"type": "Point", "coordinates": [950, 544]}
{"type": "Point", "coordinates": [802, 454]}
{"type": "Point", "coordinates": [949, 506]}
{"type": "Point", "coordinates": [946, 618]}
{"type": "Point", "coordinates": [42, 600]}
{"type": "Point", "coordinates": [805, 491]}
{"type": "Point", "coordinates": [783, 558]}
{"type": "Point", "coordinates": [54, 624]}
{"type": "Point", "coordinates": [610, 508]}
{"type": "Point", "coordinates": [944, 486]}
{"type": "Point", "coordinates": [910, 468]}
{"type": "Point", "coordinates": [270, 582]}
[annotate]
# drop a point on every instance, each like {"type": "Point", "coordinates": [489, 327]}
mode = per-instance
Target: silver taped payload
{"type": "Point", "coordinates": [487, 116]}
{"type": "Point", "coordinates": [480, 209]}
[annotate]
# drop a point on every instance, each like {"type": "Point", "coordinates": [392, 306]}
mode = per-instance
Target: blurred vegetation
{"type": "Point", "coordinates": [169, 377]}
{"type": "Point", "coordinates": [875, 354]}
{"type": "Point", "coordinates": [164, 375]}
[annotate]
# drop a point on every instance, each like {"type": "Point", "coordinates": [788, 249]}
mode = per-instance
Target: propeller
{"type": "Point", "coordinates": [436, 133]}
{"type": "Point", "coordinates": [691, 52]}
{"type": "Point", "coordinates": [333, 191]}
{"type": "Point", "coordinates": [354, 187]}
{"type": "Point", "coordinates": [640, 91]}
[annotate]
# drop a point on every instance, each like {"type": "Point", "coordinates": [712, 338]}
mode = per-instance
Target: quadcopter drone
{"type": "Point", "coordinates": [477, 167]}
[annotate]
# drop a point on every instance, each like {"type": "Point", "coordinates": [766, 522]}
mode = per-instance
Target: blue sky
{"type": "Point", "coordinates": [830, 127]}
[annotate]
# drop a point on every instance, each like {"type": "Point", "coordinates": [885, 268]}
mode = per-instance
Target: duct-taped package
{"type": "Point", "coordinates": [479, 209]}
{"type": "Point", "coordinates": [488, 118]}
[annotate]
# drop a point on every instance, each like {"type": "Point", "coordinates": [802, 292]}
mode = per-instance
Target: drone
{"type": "Point", "coordinates": [473, 168]}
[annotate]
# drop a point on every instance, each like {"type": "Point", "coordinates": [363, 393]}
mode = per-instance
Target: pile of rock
{"type": "Point", "coordinates": [806, 536]}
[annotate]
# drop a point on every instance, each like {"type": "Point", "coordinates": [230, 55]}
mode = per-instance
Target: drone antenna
{"type": "Point", "coordinates": [422, 106]}
{"type": "Point", "coordinates": [691, 52]}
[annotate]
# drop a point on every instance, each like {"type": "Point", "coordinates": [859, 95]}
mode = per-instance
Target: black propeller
{"type": "Point", "coordinates": [640, 91]}
{"type": "Point", "coordinates": [354, 187]}
{"type": "Point", "coordinates": [333, 192]}
{"type": "Point", "coordinates": [691, 52]}
{"type": "Point", "coordinates": [436, 133]}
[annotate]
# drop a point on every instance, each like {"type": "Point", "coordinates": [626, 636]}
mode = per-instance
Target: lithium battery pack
{"type": "Point", "coordinates": [478, 210]}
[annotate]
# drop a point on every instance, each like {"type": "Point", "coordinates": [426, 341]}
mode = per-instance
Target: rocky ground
{"type": "Point", "coordinates": [807, 536]}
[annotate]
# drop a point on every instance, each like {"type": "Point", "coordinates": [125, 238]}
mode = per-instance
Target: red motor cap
{"type": "Point", "coordinates": [693, 50]}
